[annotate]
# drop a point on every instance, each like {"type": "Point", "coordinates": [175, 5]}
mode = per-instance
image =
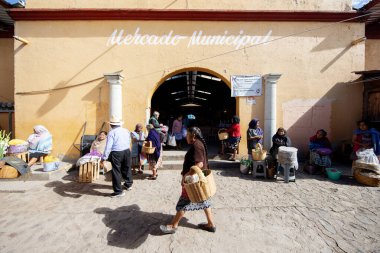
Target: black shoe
{"type": "Point", "coordinates": [128, 188]}
{"type": "Point", "coordinates": [204, 226]}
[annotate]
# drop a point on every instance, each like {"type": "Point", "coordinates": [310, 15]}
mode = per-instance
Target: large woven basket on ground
{"type": "Point", "coordinates": [202, 190]}
{"type": "Point", "coordinates": [367, 177]}
{"type": "Point", "coordinates": [147, 147]}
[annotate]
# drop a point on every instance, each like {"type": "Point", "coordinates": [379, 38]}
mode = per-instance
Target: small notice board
{"type": "Point", "coordinates": [246, 86]}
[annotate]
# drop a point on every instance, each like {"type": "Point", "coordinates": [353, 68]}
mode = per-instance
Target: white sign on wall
{"type": "Point", "coordinates": [246, 86]}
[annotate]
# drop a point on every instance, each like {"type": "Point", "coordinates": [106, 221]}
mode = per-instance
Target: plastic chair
{"type": "Point", "coordinates": [258, 166]}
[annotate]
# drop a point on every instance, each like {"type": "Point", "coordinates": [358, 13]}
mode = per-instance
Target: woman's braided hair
{"type": "Point", "coordinates": [198, 135]}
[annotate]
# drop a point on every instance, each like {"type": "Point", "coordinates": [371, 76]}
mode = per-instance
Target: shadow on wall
{"type": "Point", "coordinates": [130, 227]}
{"type": "Point", "coordinates": [336, 112]}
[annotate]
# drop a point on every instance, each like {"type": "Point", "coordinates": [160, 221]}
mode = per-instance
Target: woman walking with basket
{"type": "Point", "coordinates": [153, 158]}
{"type": "Point", "coordinates": [196, 155]}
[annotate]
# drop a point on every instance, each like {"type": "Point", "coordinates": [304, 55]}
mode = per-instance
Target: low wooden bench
{"type": "Point", "coordinates": [89, 172]}
{"type": "Point", "coordinates": [23, 156]}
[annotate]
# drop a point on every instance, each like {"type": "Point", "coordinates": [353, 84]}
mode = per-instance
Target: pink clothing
{"type": "Point", "coordinates": [177, 126]}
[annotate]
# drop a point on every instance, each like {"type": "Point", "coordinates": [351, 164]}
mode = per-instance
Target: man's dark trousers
{"type": "Point", "coordinates": [121, 168]}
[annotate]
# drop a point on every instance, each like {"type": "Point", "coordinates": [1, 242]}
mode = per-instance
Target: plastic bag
{"type": "Point", "coordinates": [367, 156]}
{"type": "Point", "coordinates": [192, 179]}
{"type": "Point", "coordinates": [172, 141]}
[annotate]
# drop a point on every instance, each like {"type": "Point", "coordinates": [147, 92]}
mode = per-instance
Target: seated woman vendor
{"type": "Point", "coordinates": [40, 144]}
{"type": "Point", "coordinates": [365, 138]}
{"type": "Point", "coordinates": [96, 150]}
{"type": "Point", "coordinates": [320, 149]}
{"type": "Point", "coordinates": [279, 139]}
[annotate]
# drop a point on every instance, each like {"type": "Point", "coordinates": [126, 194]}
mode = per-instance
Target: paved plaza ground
{"type": "Point", "coordinates": [252, 215]}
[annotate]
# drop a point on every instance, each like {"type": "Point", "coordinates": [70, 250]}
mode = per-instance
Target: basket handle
{"type": "Point", "coordinates": [223, 130]}
{"type": "Point", "coordinates": [259, 146]}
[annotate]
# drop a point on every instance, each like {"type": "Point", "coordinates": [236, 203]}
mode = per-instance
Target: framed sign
{"type": "Point", "coordinates": [246, 86]}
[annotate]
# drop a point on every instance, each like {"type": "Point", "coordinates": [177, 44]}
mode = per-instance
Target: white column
{"type": "Point", "coordinates": [147, 115]}
{"type": "Point", "coordinates": [270, 108]}
{"type": "Point", "coordinates": [116, 95]}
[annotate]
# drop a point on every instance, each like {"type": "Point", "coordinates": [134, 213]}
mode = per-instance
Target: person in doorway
{"type": "Point", "coordinates": [254, 135]}
{"type": "Point", "coordinates": [118, 152]}
{"type": "Point", "coordinates": [160, 128]}
{"type": "Point", "coordinates": [196, 155]}
{"type": "Point", "coordinates": [40, 144]}
{"type": "Point", "coordinates": [320, 150]}
{"type": "Point", "coordinates": [279, 139]}
{"type": "Point", "coordinates": [138, 158]}
{"type": "Point", "coordinates": [154, 158]}
{"type": "Point", "coordinates": [177, 131]}
{"type": "Point", "coordinates": [234, 137]}
{"type": "Point", "coordinates": [365, 138]}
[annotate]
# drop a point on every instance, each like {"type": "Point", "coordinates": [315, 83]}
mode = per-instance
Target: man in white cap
{"type": "Point", "coordinates": [118, 152]}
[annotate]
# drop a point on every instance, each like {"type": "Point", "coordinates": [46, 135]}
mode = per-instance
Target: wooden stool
{"type": "Point", "coordinates": [89, 172]}
{"type": "Point", "coordinates": [23, 156]}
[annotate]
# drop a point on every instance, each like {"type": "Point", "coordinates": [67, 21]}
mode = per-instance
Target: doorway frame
{"type": "Point", "coordinates": [188, 69]}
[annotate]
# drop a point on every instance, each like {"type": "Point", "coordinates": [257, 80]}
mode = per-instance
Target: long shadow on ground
{"type": "Point", "coordinates": [130, 226]}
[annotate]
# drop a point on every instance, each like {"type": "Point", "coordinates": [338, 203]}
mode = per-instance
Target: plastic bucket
{"type": "Point", "coordinates": [333, 174]}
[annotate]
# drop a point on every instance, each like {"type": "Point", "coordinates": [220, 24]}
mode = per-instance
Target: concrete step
{"type": "Point", "coordinates": [214, 164]}
{"type": "Point", "coordinates": [37, 173]}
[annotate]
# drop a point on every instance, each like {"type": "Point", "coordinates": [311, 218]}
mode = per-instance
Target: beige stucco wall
{"type": "Point", "coordinates": [294, 5]}
{"type": "Point", "coordinates": [372, 54]}
{"type": "Point", "coordinates": [315, 67]}
{"type": "Point", "coordinates": [6, 77]}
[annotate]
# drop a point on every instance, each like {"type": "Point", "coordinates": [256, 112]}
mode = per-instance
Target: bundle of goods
{"type": "Point", "coordinates": [222, 134]}
{"type": "Point", "coordinates": [287, 156]}
{"type": "Point", "coordinates": [51, 163]}
{"type": "Point", "coordinates": [245, 165]}
{"type": "Point", "coordinates": [259, 154]}
{"type": "Point", "coordinates": [367, 173]}
{"type": "Point", "coordinates": [199, 185]}
{"type": "Point", "coordinates": [17, 146]}
{"type": "Point", "coordinates": [147, 147]}
{"type": "Point", "coordinates": [367, 156]}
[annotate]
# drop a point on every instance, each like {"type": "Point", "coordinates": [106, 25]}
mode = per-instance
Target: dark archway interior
{"type": "Point", "coordinates": [201, 94]}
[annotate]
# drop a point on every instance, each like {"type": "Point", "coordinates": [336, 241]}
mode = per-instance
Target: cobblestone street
{"type": "Point", "coordinates": [252, 215]}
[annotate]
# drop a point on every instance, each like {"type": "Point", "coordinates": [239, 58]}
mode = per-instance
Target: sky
{"type": "Point", "coordinates": [356, 4]}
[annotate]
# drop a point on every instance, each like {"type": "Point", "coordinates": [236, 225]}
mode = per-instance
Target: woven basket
{"type": "Point", "coordinates": [259, 153]}
{"type": "Point", "coordinates": [15, 149]}
{"type": "Point", "coordinates": [222, 134]}
{"type": "Point", "coordinates": [202, 190]}
{"type": "Point", "coordinates": [364, 176]}
{"type": "Point", "coordinates": [147, 147]}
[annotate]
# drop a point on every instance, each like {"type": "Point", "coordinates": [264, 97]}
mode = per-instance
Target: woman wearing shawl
{"type": "Point", "coordinates": [254, 135]}
{"type": "Point", "coordinates": [154, 137]}
{"type": "Point", "coordinates": [40, 144]}
{"type": "Point", "coordinates": [96, 151]}
{"type": "Point", "coordinates": [364, 138]}
{"type": "Point", "coordinates": [138, 138]}
{"type": "Point", "coordinates": [279, 139]}
{"type": "Point", "coordinates": [320, 149]}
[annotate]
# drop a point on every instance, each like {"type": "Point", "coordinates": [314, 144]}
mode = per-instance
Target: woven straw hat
{"type": "Point", "coordinates": [115, 121]}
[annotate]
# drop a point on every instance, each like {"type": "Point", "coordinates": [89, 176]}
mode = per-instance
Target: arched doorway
{"type": "Point", "coordinates": [197, 92]}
